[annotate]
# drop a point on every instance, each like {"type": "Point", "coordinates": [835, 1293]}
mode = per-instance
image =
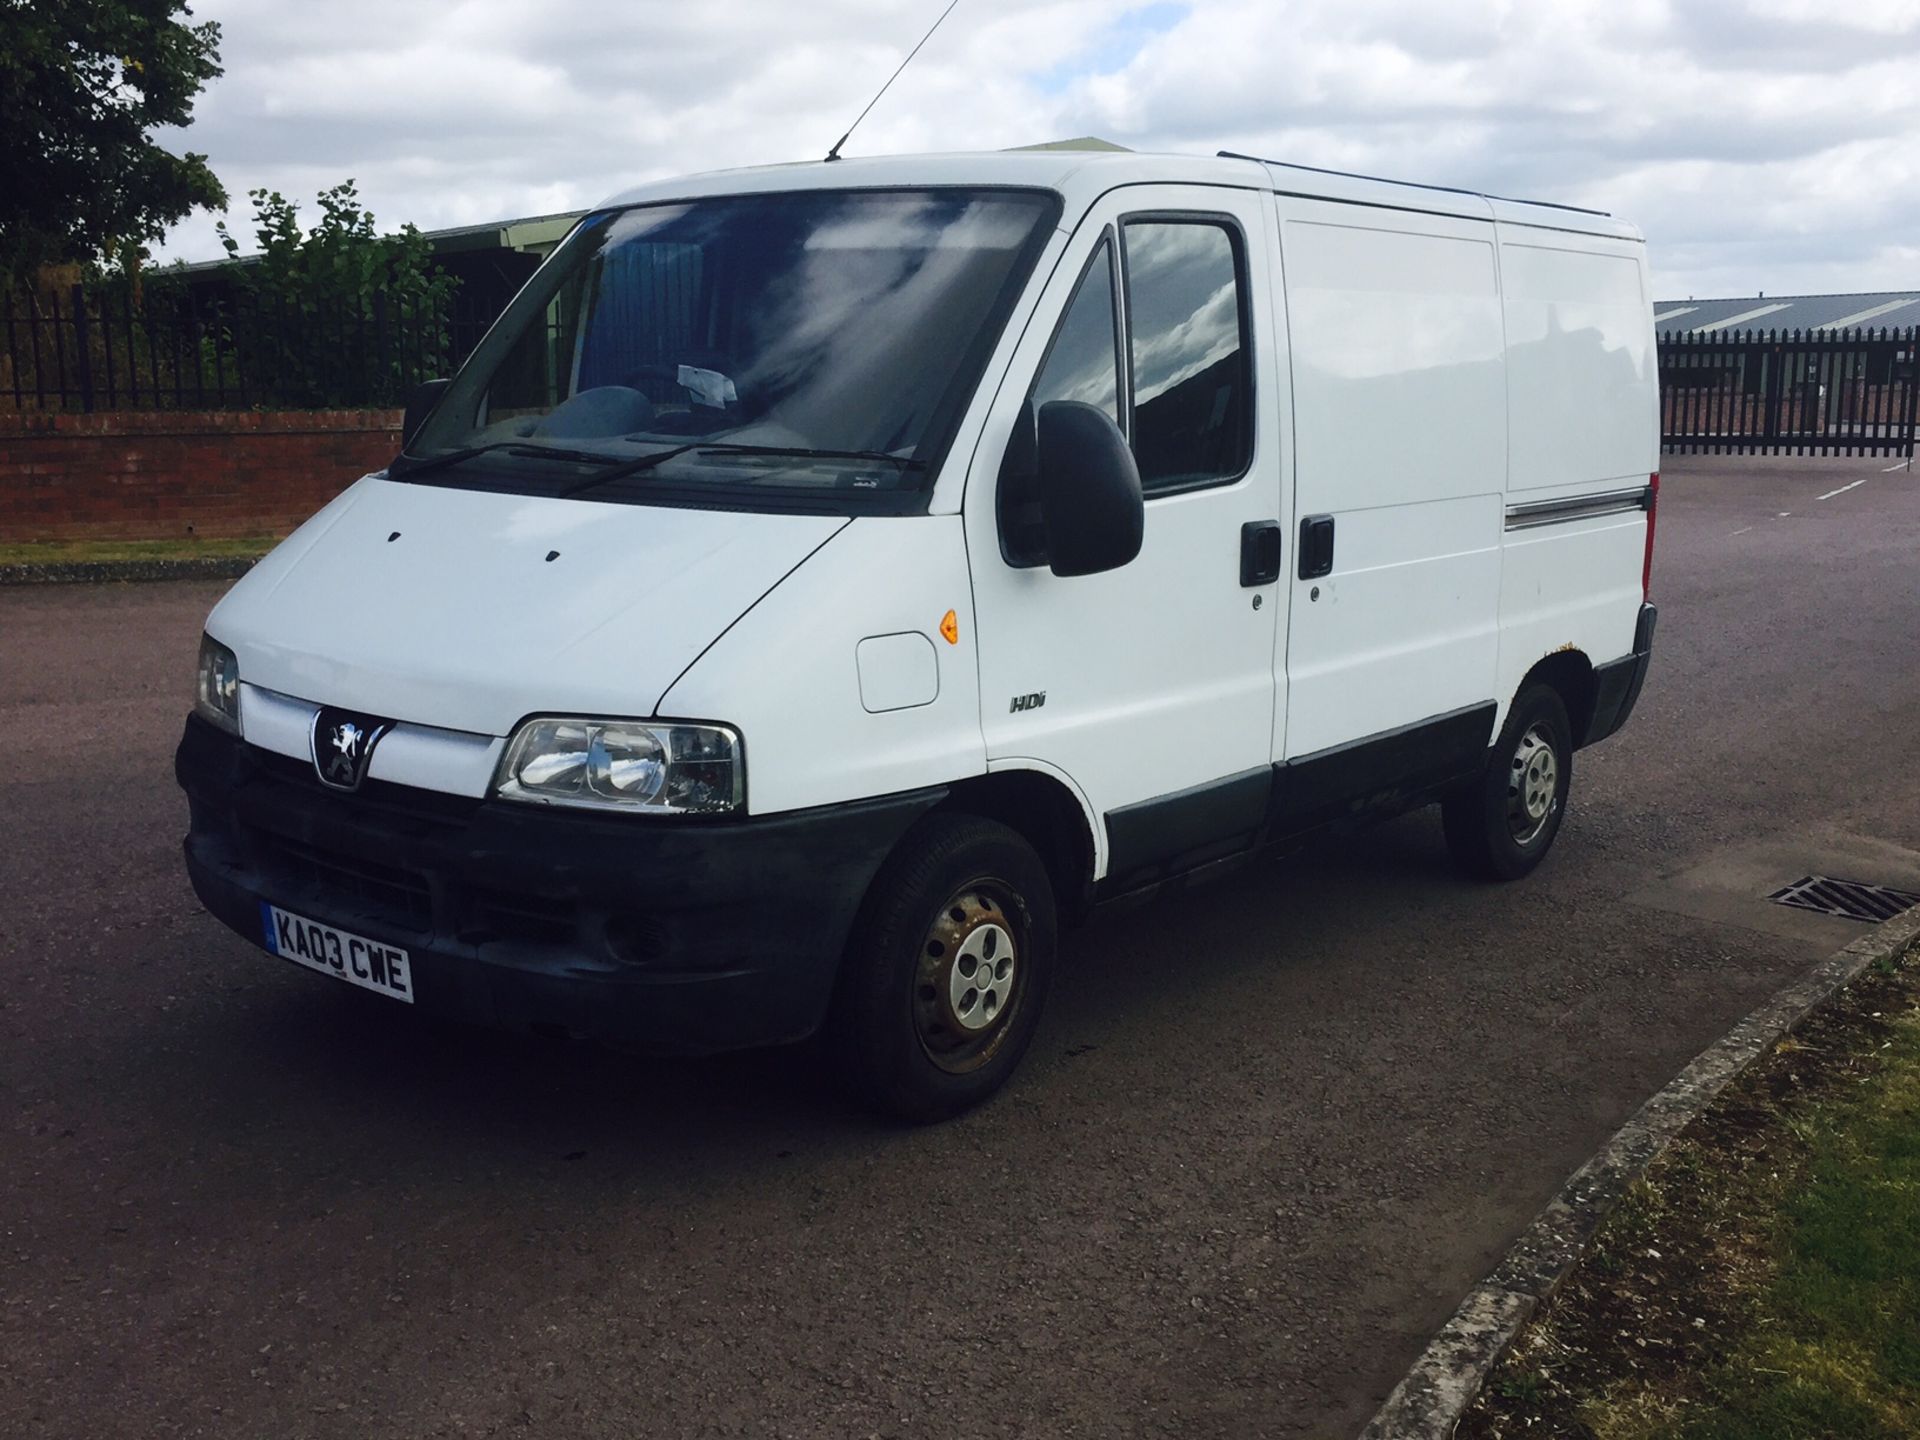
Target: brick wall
{"type": "Point", "coordinates": [150, 476]}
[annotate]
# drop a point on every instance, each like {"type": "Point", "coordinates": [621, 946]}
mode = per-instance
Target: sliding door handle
{"type": "Point", "coordinates": [1316, 546]}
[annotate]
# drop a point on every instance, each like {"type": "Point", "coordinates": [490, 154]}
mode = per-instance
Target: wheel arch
{"type": "Point", "coordinates": [1569, 672]}
{"type": "Point", "coordinates": [1050, 814]}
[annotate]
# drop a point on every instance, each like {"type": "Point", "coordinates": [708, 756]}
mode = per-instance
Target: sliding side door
{"type": "Point", "coordinates": [1399, 390]}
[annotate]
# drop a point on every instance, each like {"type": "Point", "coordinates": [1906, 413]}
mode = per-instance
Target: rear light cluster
{"type": "Point", "coordinates": [1653, 510]}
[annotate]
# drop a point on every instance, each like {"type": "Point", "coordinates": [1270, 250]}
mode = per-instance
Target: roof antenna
{"type": "Point", "coordinates": [834, 153]}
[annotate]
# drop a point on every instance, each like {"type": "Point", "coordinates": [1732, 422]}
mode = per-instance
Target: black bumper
{"type": "Point", "coordinates": [1617, 684]}
{"type": "Point", "coordinates": [676, 934]}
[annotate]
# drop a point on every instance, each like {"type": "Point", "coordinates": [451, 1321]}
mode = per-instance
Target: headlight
{"type": "Point", "coordinates": [218, 694]}
{"type": "Point", "coordinates": [625, 764]}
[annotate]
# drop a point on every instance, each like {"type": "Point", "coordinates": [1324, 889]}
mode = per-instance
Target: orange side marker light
{"type": "Point", "coordinates": [950, 628]}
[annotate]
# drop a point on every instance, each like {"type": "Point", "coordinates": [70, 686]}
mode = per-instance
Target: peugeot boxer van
{"type": "Point", "coordinates": [825, 583]}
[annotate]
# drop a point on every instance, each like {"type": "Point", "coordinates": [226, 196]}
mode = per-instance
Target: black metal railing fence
{"type": "Point", "coordinates": [166, 347]}
{"type": "Point", "coordinates": [1814, 392]}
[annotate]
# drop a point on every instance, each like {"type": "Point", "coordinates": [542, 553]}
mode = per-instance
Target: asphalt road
{"type": "Point", "coordinates": [1269, 1133]}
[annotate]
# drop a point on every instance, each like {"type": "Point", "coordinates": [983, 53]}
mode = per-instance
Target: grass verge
{"type": "Point", "coordinates": [97, 552]}
{"type": "Point", "coordinates": [1763, 1278]}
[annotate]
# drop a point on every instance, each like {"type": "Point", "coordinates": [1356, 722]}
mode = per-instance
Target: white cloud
{"type": "Point", "coordinates": [1769, 144]}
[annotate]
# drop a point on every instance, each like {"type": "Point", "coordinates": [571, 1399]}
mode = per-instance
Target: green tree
{"type": "Point", "coordinates": [339, 314]}
{"type": "Point", "coordinates": [83, 83]}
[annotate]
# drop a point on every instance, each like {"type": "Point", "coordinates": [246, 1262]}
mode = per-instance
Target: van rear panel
{"type": "Point", "coordinates": [1582, 387]}
{"type": "Point", "coordinates": [1581, 373]}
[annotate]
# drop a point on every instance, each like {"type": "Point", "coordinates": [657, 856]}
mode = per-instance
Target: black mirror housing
{"type": "Point", "coordinates": [420, 404]}
{"type": "Point", "coordinates": [1089, 490]}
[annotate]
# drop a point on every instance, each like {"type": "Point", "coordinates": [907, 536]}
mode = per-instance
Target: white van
{"type": "Point", "coordinates": [826, 581]}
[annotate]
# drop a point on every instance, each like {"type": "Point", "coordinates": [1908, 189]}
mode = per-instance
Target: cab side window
{"type": "Point", "coordinates": [1192, 382]}
{"type": "Point", "coordinates": [1083, 362]}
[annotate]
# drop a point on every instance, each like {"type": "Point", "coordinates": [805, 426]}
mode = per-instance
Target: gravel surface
{"type": "Point", "coordinates": [1269, 1134]}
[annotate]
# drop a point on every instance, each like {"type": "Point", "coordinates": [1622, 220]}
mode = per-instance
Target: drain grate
{"type": "Point", "coordinates": [1849, 899]}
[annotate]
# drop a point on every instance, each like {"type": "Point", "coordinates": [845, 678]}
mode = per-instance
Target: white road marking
{"type": "Point", "coordinates": [1783, 514]}
{"type": "Point", "coordinates": [1903, 465]}
{"type": "Point", "coordinates": [1741, 531]}
{"type": "Point", "coordinates": [1842, 490]}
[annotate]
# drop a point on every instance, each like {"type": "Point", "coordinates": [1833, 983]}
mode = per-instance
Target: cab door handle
{"type": "Point", "coordinates": [1316, 546]}
{"type": "Point", "coordinates": [1260, 552]}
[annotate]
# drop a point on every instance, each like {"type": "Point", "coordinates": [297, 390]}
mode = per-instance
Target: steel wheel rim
{"type": "Point", "coordinates": [1533, 784]}
{"type": "Point", "coordinates": [970, 979]}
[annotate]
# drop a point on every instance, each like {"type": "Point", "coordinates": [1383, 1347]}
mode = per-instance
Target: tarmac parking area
{"type": "Point", "coordinates": [1270, 1132]}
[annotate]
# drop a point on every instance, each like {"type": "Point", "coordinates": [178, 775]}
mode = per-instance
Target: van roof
{"type": "Point", "coordinates": [1082, 175]}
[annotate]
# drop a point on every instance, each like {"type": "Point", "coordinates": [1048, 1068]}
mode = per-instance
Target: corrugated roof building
{"type": "Point", "coordinates": [1891, 309]}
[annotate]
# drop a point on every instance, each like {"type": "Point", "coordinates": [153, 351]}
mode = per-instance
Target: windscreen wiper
{"type": "Point", "coordinates": [640, 464]}
{"type": "Point", "coordinates": [636, 466]}
{"type": "Point", "coordinates": [805, 452]}
{"type": "Point", "coordinates": [515, 447]}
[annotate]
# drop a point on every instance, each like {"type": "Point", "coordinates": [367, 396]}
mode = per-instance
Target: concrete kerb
{"type": "Point", "coordinates": [94, 572]}
{"type": "Point", "coordinates": [1428, 1402]}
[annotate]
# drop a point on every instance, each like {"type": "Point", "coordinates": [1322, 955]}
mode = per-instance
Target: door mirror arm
{"type": "Point", "coordinates": [1021, 527]}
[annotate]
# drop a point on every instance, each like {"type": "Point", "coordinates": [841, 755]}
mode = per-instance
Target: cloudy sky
{"type": "Point", "coordinates": [1762, 145]}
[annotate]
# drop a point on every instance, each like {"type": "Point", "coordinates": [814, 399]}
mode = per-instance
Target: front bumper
{"type": "Point", "coordinates": [676, 934]}
{"type": "Point", "coordinates": [1617, 683]}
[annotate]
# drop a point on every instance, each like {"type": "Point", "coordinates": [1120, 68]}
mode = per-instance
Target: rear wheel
{"type": "Point", "coordinates": [947, 970]}
{"type": "Point", "coordinates": [1502, 825]}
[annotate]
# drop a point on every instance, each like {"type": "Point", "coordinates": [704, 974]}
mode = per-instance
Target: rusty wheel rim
{"type": "Point", "coordinates": [970, 978]}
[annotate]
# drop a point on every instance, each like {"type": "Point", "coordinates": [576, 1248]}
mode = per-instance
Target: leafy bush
{"type": "Point", "coordinates": [339, 314]}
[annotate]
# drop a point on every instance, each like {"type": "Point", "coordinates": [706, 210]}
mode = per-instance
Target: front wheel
{"type": "Point", "coordinates": [946, 971]}
{"type": "Point", "coordinates": [1502, 825]}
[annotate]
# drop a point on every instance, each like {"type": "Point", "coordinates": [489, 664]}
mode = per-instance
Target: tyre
{"type": "Point", "coordinates": [946, 971]}
{"type": "Point", "coordinates": [1502, 825]}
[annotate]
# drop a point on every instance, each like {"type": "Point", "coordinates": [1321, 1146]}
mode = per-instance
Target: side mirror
{"type": "Point", "coordinates": [1089, 490]}
{"type": "Point", "coordinates": [420, 404]}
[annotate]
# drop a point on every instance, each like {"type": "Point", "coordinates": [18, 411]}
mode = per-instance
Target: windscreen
{"type": "Point", "coordinates": [814, 344]}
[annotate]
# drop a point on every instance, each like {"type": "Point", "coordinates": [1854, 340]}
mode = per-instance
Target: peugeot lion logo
{"type": "Point", "coordinates": [345, 759]}
{"type": "Point", "coordinates": [343, 746]}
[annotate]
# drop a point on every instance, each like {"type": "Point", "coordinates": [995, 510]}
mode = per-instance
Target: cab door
{"type": "Point", "coordinates": [1151, 688]}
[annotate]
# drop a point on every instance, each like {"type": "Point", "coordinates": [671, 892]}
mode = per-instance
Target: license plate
{"type": "Point", "coordinates": [353, 958]}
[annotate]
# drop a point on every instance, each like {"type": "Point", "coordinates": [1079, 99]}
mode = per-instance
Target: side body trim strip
{"type": "Point", "coordinates": [1381, 773]}
{"type": "Point", "coordinates": [1158, 837]}
{"type": "Point", "coordinates": [1580, 507]}
{"type": "Point", "coordinates": [1156, 841]}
